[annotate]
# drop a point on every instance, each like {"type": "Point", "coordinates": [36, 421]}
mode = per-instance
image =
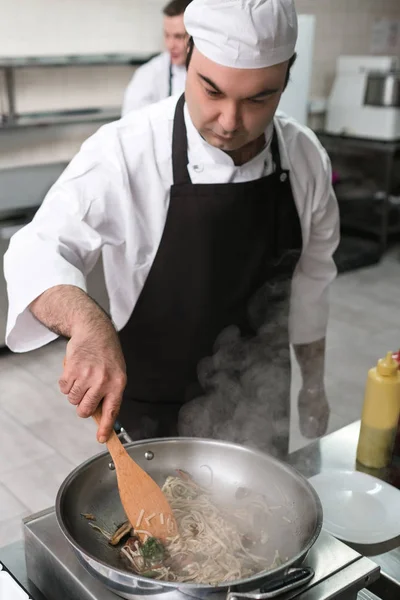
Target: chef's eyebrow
{"type": "Point", "coordinates": [210, 83]}
{"type": "Point", "coordinates": [262, 94]}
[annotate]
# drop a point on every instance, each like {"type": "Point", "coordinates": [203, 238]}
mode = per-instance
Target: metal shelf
{"type": "Point", "coordinates": [61, 118]}
{"type": "Point", "coordinates": [23, 62]}
{"type": "Point", "coordinates": [341, 148]}
{"type": "Point", "coordinates": [11, 120]}
{"type": "Point", "coordinates": [350, 144]}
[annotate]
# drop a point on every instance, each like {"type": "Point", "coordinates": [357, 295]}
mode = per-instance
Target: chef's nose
{"type": "Point", "coordinates": [230, 117]}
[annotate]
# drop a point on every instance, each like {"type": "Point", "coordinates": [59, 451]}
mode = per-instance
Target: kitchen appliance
{"type": "Point", "coordinates": [340, 572]}
{"type": "Point", "coordinates": [365, 98]}
{"type": "Point", "coordinates": [292, 529]}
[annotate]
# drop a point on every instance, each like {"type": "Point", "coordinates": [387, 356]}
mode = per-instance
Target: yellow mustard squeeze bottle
{"type": "Point", "coordinates": [380, 414]}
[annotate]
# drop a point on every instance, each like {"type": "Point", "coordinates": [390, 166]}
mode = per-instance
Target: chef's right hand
{"type": "Point", "coordinates": [94, 372]}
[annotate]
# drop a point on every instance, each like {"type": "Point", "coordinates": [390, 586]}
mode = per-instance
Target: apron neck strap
{"type": "Point", "coordinates": [276, 156]}
{"type": "Point", "coordinates": [179, 145]}
{"type": "Point", "coordinates": [170, 80]}
{"type": "Point", "coordinates": [180, 159]}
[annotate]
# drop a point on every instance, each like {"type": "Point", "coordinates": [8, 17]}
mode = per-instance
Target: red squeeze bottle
{"type": "Point", "coordinates": [396, 448]}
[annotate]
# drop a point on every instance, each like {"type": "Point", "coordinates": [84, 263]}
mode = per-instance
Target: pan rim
{"type": "Point", "coordinates": [258, 577]}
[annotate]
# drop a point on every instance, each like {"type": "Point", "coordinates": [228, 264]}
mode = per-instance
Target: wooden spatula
{"type": "Point", "coordinates": [145, 506]}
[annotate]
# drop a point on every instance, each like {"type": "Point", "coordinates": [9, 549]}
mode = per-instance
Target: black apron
{"type": "Point", "coordinates": [206, 347]}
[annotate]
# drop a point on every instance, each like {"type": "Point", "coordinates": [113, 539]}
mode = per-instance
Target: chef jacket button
{"type": "Point", "coordinates": [198, 168]}
{"type": "Point", "coordinates": [283, 177]}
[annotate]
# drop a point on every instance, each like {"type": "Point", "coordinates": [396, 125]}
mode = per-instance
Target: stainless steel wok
{"type": "Point", "coordinates": [92, 488]}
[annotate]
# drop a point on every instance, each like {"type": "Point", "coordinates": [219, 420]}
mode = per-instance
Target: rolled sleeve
{"type": "Point", "coordinates": [316, 269]}
{"type": "Point", "coordinates": [24, 332]}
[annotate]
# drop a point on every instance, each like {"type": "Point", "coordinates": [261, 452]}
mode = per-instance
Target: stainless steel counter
{"type": "Point", "coordinates": [340, 572]}
{"type": "Point", "coordinates": [14, 557]}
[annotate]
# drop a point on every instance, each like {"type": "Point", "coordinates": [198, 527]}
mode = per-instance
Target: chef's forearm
{"type": "Point", "coordinates": [65, 309]}
{"type": "Point", "coordinates": [311, 360]}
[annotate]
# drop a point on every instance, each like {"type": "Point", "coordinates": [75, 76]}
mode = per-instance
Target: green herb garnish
{"type": "Point", "coordinates": [153, 550]}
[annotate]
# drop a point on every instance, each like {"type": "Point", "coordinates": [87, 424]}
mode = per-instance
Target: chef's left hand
{"type": "Point", "coordinates": [314, 412]}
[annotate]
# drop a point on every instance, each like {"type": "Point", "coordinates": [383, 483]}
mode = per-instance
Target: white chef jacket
{"type": "Point", "coordinates": [114, 197]}
{"type": "Point", "coordinates": [150, 83]}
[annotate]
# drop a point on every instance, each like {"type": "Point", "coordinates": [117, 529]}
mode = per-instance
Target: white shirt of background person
{"type": "Point", "coordinates": [164, 75]}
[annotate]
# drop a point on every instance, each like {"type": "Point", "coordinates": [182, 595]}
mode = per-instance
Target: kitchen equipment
{"type": "Point", "coordinates": [52, 565]}
{"type": "Point", "coordinates": [365, 98]}
{"type": "Point", "coordinates": [383, 89]}
{"type": "Point", "coordinates": [140, 495]}
{"type": "Point", "coordinates": [358, 508]}
{"type": "Point", "coordinates": [380, 416]}
{"type": "Point", "coordinates": [91, 488]}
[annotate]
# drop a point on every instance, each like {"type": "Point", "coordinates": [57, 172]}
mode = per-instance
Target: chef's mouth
{"type": "Point", "coordinates": [224, 138]}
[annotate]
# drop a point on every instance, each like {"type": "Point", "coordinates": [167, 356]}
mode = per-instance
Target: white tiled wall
{"type": "Point", "coordinates": [343, 27]}
{"type": "Point", "coordinates": [73, 27]}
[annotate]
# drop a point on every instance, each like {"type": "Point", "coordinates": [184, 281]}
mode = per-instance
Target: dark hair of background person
{"type": "Point", "coordinates": [292, 60]}
{"type": "Point", "coordinates": [175, 8]}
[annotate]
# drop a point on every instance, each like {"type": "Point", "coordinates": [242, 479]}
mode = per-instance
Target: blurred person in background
{"type": "Point", "coordinates": [164, 75]}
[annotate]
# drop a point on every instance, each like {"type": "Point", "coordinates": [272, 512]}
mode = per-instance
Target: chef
{"type": "Point", "coordinates": [217, 224]}
{"type": "Point", "coordinates": [164, 75]}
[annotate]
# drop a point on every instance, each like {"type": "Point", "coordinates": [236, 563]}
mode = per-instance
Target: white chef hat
{"type": "Point", "coordinates": [244, 34]}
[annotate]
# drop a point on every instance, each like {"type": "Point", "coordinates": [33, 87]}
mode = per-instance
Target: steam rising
{"type": "Point", "coordinates": [246, 381]}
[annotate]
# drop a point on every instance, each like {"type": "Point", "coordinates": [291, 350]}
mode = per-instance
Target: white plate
{"type": "Point", "coordinates": [357, 507]}
{"type": "Point", "coordinates": [9, 588]}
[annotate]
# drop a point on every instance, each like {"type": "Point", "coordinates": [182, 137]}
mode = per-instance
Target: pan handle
{"type": "Point", "coordinates": [293, 579]}
{"type": "Point", "coordinates": [124, 438]}
{"type": "Point", "coordinates": [122, 433]}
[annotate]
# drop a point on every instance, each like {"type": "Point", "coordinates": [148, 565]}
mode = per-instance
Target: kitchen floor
{"type": "Point", "coordinates": [42, 440]}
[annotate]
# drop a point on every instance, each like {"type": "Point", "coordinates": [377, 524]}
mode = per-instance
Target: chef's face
{"type": "Point", "coordinates": [175, 38]}
{"type": "Point", "coordinates": [232, 107]}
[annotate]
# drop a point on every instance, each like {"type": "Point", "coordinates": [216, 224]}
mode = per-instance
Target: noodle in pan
{"type": "Point", "coordinates": [212, 546]}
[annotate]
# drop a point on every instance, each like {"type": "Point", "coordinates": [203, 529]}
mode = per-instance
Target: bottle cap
{"type": "Point", "coordinates": [387, 366]}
